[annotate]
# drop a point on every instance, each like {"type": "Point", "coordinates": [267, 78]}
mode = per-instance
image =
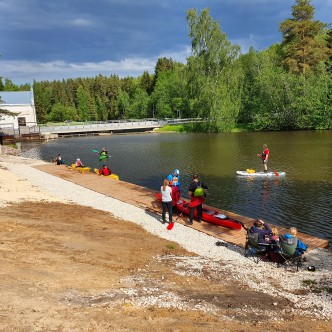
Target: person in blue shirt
{"type": "Point", "coordinates": [176, 176]}
{"type": "Point", "coordinates": [301, 247]}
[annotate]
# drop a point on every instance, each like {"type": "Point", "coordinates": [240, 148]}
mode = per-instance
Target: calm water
{"type": "Point", "coordinates": [302, 199]}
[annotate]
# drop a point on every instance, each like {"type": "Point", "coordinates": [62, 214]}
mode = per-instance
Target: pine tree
{"type": "Point", "coordinates": [303, 50]}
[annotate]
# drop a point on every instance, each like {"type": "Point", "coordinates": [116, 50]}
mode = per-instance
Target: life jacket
{"type": "Point", "coordinates": [265, 152]}
{"type": "Point", "coordinates": [105, 171]}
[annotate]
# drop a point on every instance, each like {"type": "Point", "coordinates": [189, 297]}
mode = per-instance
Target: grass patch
{"type": "Point", "coordinates": [309, 282]}
{"type": "Point", "coordinates": [171, 247]}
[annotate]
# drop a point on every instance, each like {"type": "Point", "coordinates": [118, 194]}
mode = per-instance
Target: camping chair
{"type": "Point", "coordinates": [288, 252]}
{"type": "Point", "coordinates": [255, 250]}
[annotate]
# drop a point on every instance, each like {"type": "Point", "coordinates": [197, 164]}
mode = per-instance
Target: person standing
{"type": "Point", "coordinates": [265, 156]}
{"type": "Point", "coordinates": [166, 201]}
{"type": "Point", "coordinates": [196, 192]}
{"type": "Point", "coordinates": [174, 177]}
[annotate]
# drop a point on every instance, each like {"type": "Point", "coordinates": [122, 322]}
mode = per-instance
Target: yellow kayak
{"type": "Point", "coordinates": [112, 176]}
{"type": "Point", "coordinates": [80, 169]}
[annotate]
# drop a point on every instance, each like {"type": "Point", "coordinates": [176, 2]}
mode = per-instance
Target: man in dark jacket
{"type": "Point", "coordinates": [196, 192]}
{"type": "Point", "coordinates": [262, 229]}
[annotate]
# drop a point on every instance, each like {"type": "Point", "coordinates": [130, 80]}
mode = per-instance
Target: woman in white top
{"type": "Point", "coordinates": [166, 197]}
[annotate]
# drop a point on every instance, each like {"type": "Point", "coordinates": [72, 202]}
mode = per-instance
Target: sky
{"type": "Point", "coordinates": [54, 40]}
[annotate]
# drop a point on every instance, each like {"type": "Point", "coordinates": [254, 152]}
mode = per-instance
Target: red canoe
{"type": "Point", "coordinates": [208, 215]}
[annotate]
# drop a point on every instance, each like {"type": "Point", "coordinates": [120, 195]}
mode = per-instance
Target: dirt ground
{"type": "Point", "coordinates": [72, 268]}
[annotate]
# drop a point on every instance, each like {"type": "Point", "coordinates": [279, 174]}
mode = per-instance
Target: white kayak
{"type": "Point", "coordinates": [267, 174]}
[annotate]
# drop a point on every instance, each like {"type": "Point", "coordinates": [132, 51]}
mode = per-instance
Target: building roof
{"type": "Point", "coordinates": [16, 98]}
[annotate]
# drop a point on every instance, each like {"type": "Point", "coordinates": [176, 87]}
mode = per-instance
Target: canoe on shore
{"type": "Point", "coordinates": [208, 215]}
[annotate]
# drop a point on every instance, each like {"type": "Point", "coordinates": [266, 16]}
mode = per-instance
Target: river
{"type": "Point", "coordinates": [302, 198]}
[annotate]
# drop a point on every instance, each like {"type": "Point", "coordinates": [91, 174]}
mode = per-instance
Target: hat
{"type": "Point", "coordinates": [78, 159]}
{"type": "Point", "coordinates": [176, 171]}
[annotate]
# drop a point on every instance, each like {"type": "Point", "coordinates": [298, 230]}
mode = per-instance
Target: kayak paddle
{"type": "Point", "coordinates": [95, 151]}
{"type": "Point", "coordinates": [170, 226]}
{"type": "Point", "coordinates": [275, 173]}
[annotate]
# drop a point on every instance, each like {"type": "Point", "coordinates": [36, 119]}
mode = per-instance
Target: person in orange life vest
{"type": "Point", "coordinates": [196, 192]}
{"type": "Point", "coordinates": [78, 163]}
{"type": "Point", "coordinates": [174, 174]}
{"type": "Point", "coordinates": [265, 156]}
{"type": "Point", "coordinates": [175, 190]}
{"type": "Point", "coordinates": [105, 171]}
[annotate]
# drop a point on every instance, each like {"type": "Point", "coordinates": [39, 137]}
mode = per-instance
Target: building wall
{"type": "Point", "coordinates": [21, 102]}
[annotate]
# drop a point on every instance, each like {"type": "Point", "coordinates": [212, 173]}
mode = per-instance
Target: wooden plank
{"type": "Point", "coordinates": [144, 198]}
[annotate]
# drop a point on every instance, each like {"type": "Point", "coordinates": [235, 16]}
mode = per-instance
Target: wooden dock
{"type": "Point", "coordinates": [144, 198]}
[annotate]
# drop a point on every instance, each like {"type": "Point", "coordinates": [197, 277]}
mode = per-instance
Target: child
{"type": "Point", "coordinates": [301, 247]}
{"type": "Point", "coordinates": [275, 235]}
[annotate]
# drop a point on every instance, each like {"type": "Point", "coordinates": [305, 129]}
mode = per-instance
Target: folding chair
{"type": "Point", "coordinates": [288, 252]}
{"type": "Point", "coordinates": [255, 250]}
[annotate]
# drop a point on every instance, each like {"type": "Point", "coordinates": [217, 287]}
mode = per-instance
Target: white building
{"type": "Point", "coordinates": [21, 102]}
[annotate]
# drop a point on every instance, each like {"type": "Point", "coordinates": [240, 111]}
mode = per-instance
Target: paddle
{"type": "Point", "coordinates": [171, 225]}
{"type": "Point", "coordinates": [275, 173]}
{"type": "Point", "coordinates": [95, 151]}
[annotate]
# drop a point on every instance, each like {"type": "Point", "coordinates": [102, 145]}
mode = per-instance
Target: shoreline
{"type": "Point", "coordinates": [20, 179]}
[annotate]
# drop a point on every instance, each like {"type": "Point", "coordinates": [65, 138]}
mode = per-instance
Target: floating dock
{"type": "Point", "coordinates": [144, 198]}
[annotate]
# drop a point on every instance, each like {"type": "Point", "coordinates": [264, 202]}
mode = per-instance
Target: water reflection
{"type": "Point", "coordinates": [300, 199]}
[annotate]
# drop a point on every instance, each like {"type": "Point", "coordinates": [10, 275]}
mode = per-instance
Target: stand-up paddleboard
{"type": "Point", "coordinates": [260, 174]}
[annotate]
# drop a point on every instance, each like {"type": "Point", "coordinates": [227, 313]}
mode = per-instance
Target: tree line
{"type": "Point", "coordinates": [285, 87]}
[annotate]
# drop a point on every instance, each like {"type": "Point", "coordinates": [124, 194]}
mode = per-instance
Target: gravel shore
{"type": "Point", "coordinates": [311, 292]}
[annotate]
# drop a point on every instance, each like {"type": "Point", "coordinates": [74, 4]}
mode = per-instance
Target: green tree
{"type": "Point", "coordinates": [83, 104]}
{"type": "Point", "coordinates": [303, 49]}
{"type": "Point", "coordinates": [62, 112]}
{"type": "Point", "coordinates": [139, 107]}
{"type": "Point", "coordinates": [214, 77]}
{"type": "Point", "coordinates": [123, 104]}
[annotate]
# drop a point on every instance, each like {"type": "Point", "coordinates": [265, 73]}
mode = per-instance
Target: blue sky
{"type": "Point", "coordinates": [47, 40]}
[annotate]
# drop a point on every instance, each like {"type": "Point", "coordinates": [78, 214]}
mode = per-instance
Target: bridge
{"type": "Point", "coordinates": [37, 132]}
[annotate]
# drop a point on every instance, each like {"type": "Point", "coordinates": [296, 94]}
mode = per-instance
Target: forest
{"type": "Point", "coordinates": [287, 86]}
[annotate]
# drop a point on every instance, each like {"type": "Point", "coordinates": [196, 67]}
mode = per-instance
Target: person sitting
{"type": "Point", "coordinates": [103, 152]}
{"type": "Point", "coordinates": [58, 160]}
{"type": "Point", "coordinates": [262, 229]}
{"type": "Point", "coordinates": [78, 163]}
{"type": "Point", "coordinates": [301, 247]}
{"type": "Point", "coordinates": [274, 238]}
{"type": "Point", "coordinates": [105, 171]}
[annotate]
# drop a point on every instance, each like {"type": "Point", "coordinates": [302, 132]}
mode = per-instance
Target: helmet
{"type": "Point", "coordinates": [176, 171]}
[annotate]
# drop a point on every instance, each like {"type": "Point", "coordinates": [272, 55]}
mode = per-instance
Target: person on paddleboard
{"type": "Point", "coordinates": [265, 156]}
{"type": "Point", "coordinates": [196, 192]}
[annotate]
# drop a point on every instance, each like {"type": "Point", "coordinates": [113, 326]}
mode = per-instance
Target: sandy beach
{"type": "Point", "coordinates": [73, 259]}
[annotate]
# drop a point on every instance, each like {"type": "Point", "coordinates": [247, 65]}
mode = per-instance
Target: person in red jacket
{"type": "Point", "coordinates": [265, 156]}
{"type": "Point", "coordinates": [105, 171]}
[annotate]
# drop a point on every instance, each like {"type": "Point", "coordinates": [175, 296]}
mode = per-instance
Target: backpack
{"type": "Point", "coordinates": [199, 191]}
